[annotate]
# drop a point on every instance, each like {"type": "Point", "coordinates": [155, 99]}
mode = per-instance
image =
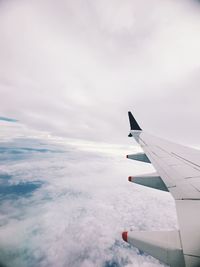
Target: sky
{"type": "Point", "coordinates": [74, 68]}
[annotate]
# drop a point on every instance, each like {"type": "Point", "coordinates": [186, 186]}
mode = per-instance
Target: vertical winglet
{"type": "Point", "coordinates": [133, 123]}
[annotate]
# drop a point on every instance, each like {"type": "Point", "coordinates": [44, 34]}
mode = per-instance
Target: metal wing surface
{"type": "Point", "coordinates": [179, 168]}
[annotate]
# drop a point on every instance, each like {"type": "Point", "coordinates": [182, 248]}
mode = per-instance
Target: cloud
{"type": "Point", "coordinates": [75, 69]}
{"type": "Point", "coordinates": [76, 216]}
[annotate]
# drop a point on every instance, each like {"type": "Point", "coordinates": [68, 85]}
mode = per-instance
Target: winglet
{"type": "Point", "coordinates": [133, 123]}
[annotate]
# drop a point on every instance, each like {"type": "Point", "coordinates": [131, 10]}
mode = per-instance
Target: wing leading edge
{"type": "Point", "coordinates": [179, 169]}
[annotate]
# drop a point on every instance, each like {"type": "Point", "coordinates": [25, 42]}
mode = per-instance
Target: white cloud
{"type": "Point", "coordinates": [75, 68]}
{"type": "Point", "coordinates": [76, 217]}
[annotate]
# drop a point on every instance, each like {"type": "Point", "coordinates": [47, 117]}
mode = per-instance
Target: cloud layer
{"type": "Point", "coordinates": [75, 68]}
{"type": "Point", "coordinates": [74, 201]}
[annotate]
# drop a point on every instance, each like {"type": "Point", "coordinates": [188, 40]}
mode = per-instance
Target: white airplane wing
{"type": "Point", "coordinates": [178, 171]}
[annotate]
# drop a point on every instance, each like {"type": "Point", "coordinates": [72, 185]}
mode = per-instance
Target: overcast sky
{"type": "Point", "coordinates": [75, 68]}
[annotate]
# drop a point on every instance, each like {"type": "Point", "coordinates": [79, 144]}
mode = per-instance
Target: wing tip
{"type": "Point", "coordinates": [133, 123]}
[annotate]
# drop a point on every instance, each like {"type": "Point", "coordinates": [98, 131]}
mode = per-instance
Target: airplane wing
{"type": "Point", "coordinates": [178, 171]}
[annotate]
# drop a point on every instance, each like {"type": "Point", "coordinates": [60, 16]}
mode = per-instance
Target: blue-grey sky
{"type": "Point", "coordinates": [74, 68]}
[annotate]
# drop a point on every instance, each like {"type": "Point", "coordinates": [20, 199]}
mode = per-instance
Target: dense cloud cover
{"type": "Point", "coordinates": [75, 67]}
{"type": "Point", "coordinates": [65, 202]}
{"type": "Point", "coordinates": [69, 72]}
